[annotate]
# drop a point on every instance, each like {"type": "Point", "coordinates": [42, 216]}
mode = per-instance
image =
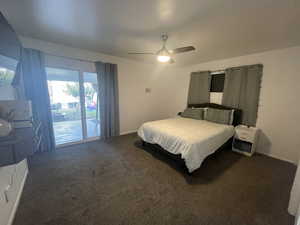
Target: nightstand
{"type": "Point", "coordinates": [245, 140]}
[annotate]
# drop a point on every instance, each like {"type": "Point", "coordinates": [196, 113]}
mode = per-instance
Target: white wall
{"type": "Point", "coordinates": [136, 106]}
{"type": "Point", "coordinates": [279, 109]}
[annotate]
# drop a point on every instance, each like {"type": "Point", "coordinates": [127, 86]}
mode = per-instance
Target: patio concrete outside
{"type": "Point", "coordinates": [71, 131]}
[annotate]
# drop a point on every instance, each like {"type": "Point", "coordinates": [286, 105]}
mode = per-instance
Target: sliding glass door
{"type": "Point", "coordinates": [91, 104]}
{"type": "Point", "coordinates": [74, 105]}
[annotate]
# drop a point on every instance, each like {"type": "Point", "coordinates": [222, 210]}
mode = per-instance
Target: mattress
{"type": "Point", "coordinates": [193, 139]}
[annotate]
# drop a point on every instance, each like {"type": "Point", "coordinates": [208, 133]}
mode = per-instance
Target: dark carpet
{"type": "Point", "coordinates": [119, 182]}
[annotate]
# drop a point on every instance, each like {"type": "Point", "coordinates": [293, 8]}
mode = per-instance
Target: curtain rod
{"type": "Point", "coordinates": [211, 72]}
{"type": "Point", "coordinates": [72, 58]}
{"type": "Point", "coordinates": [217, 71]}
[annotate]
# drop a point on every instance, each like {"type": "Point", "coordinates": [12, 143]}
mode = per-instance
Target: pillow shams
{"type": "Point", "coordinates": [219, 116]}
{"type": "Point", "coordinates": [193, 113]}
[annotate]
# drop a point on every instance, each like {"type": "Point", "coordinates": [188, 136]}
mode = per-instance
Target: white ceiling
{"type": "Point", "coordinates": [217, 28]}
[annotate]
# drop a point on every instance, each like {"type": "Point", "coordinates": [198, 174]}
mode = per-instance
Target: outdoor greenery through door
{"type": "Point", "coordinates": [74, 105]}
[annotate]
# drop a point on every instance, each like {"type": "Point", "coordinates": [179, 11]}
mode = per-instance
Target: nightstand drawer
{"type": "Point", "coordinates": [245, 136]}
{"type": "Point", "coordinates": [245, 133]}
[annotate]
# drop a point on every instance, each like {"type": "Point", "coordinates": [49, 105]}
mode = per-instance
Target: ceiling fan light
{"type": "Point", "coordinates": [163, 58]}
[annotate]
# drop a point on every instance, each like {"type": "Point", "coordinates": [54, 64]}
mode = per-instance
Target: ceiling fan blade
{"type": "Point", "coordinates": [183, 49]}
{"type": "Point", "coordinates": [141, 53]}
{"type": "Point", "coordinates": [172, 61]}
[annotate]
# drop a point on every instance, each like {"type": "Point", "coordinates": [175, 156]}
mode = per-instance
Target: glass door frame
{"type": "Point", "coordinates": [85, 137]}
{"type": "Point", "coordinates": [82, 106]}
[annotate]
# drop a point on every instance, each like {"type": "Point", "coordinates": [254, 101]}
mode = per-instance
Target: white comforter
{"type": "Point", "coordinates": [193, 139]}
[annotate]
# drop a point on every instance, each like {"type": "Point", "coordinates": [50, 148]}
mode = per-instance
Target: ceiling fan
{"type": "Point", "coordinates": [164, 55]}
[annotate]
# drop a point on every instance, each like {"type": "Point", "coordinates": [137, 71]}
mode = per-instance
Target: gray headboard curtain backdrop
{"type": "Point", "coordinates": [10, 45]}
{"type": "Point", "coordinates": [242, 89]}
{"type": "Point", "coordinates": [199, 89]}
{"type": "Point", "coordinates": [107, 75]}
{"type": "Point", "coordinates": [32, 74]}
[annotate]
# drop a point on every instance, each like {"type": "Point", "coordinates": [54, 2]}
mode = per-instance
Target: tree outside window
{"type": "Point", "coordinates": [6, 76]}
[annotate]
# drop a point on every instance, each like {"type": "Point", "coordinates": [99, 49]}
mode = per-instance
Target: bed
{"type": "Point", "coordinates": [192, 140]}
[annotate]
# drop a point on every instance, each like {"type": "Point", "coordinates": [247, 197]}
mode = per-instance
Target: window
{"type": "Point", "coordinates": [217, 82]}
{"type": "Point", "coordinates": [7, 70]}
{"type": "Point", "coordinates": [6, 76]}
{"type": "Point", "coordinates": [216, 88]}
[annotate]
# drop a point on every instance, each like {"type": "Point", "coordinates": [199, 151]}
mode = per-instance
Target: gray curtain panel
{"type": "Point", "coordinates": [199, 89]}
{"type": "Point", "coordinates": [109, 99]}
{"type": "Point", "coordinates": [34, 79]}
{"type": "Point", "coordinates": [10, 45]}
{"type": "Point", "coordinates": [18, 83]}
{"type": "Point", "coordinates": [242, 89]}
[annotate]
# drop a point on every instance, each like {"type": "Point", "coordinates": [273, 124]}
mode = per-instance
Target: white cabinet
{"type": "Point", "coordinates": [12, 179]}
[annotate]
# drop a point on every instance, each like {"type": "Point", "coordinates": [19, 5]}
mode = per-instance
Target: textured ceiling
{"type": "Point", "coordinates": [217, 28]}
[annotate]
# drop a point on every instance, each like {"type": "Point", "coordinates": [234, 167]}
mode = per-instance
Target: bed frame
{"type": "Point", "coordinates": [236, 121]}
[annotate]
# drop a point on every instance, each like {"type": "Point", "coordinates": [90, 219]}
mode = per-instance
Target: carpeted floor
{"type": "Point", "coordinates": [118, 182]}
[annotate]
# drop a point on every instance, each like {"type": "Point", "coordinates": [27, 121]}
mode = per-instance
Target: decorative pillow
{"type": "Point", "coordinates": [219, 116]}
{"type": "Point", "coordinates": [193, 113]}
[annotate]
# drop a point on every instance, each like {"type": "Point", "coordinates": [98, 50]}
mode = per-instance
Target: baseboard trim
{"type": "Point", "coordinates": [128, 132]}
{"type": "Point", "coordinates": [15, 207]}
{"type": "Point", "coordinates": [277, 157]}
